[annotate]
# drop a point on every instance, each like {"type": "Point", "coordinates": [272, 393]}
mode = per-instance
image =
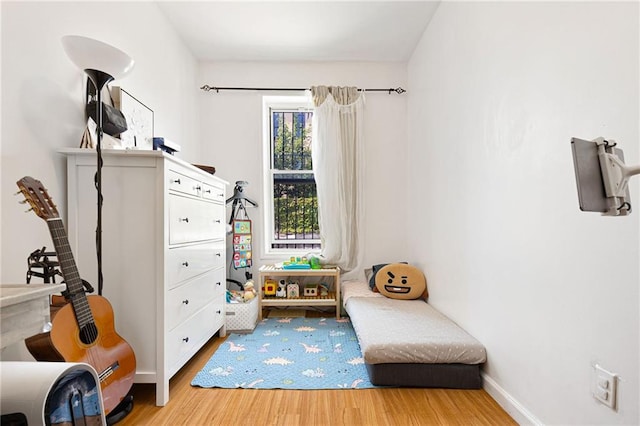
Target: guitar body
{"type": "Point", "coordinates": [110, 355]}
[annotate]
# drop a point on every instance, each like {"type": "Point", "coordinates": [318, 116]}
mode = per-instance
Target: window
{"type": "Point", "coordinates": [291, 201]}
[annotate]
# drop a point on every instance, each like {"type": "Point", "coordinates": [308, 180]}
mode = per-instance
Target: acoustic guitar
{"type": "Point", "coordinates": [83, 329]}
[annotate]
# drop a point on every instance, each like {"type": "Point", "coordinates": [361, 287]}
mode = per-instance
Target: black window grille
{"type": "Point", "coordinates": [295, 200]}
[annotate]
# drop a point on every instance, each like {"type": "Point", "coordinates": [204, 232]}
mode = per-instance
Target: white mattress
{"type": "Point", "coordinates": [408, 331]}
{"type": "Point", "coordinates": [356, 288]}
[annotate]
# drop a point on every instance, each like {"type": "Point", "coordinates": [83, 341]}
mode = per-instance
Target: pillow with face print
{"type": "Point", "coordinates": [401, 281]}
{"type": "Point", "coordinates": [370, 275]}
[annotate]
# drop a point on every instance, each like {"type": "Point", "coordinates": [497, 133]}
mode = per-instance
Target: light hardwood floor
{"type": "Point", "coordinates": [257, 407]}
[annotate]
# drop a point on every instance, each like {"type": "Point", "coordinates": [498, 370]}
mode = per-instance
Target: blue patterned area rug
{"type": "Point", "coordinates": [289, 353]}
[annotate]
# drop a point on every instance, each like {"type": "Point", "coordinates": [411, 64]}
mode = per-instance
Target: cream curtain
{"type": "Point", "coordinates": [338, 165]}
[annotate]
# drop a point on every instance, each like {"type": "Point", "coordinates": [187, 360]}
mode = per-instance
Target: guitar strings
{"type": "Point", "coordinates": [81, 307]}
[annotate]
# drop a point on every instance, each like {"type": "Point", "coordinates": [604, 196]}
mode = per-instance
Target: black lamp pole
{"type": "Point", "coordinates": [99, 80]}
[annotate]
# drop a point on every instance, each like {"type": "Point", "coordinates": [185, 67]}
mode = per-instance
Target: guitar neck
{"type": "Point", "coordinates": [70, 273]}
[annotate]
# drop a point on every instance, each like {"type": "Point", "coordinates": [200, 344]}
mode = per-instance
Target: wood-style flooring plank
{"type": "Point", "coordinates": [236, 407]}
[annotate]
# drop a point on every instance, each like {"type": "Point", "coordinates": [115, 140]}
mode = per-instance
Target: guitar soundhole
{"type": "Point", "coordinates": [88, 333]}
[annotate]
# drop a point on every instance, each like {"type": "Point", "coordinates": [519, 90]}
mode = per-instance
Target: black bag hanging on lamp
{"type": "Point", "coordinates": [113, 121]}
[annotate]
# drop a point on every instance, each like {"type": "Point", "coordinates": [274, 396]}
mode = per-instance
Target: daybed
{"type": "Point", "coordinates": [409, 343]}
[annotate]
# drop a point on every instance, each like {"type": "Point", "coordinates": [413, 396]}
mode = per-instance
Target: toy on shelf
{"type": "Point", "coordinates": [296, 263]}
{"type": "Point", "coordinates": [293, 290]}
{"type": "Point", "coordinates": [311, 290]}
{"type": "Point", "coordinates": [315, 263]}
{"type": "Point", "coordinates": [323, 288]}
{"type": "Point", "coordinates": [270, 287]}
{"type": "Point", "coordinates": [282, 289]}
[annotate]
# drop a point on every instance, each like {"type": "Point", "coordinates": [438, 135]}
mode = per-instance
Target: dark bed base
{"type": "Point", "coordinates": [452, 376]}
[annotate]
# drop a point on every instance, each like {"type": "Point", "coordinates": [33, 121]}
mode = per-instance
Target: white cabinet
{"type": "Point", "coordinates": [24, 310]}
{"type": "Point", "coordinates": [163, 236]}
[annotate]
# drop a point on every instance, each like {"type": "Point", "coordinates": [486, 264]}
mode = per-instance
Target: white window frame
{"type": "Point", "coordinates": [270, 103]}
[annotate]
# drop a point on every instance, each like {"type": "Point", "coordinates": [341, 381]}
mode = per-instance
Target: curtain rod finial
{"type": "Point", "coordinates": [398, 90]}
{"type": "Point", "coordinates": [208, 88]}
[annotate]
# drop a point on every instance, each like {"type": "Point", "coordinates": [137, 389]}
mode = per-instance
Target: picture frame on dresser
{"type": "Point", "coordinates": [139, 134]}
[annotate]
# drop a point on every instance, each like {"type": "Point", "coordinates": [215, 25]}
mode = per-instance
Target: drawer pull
{"type": "Point", "coordinates": [218, 283]}
{"type": "Point", "coordinates": [218, 254]}
{"type": "Point", "coordinates": [186, 340]}
{"type": "Point", "coordinates": [185, 301]}
{"type": "Point", "coordinates": [197, 188]}
{"type": "Point", "coordinates": [176, 181]}
{"type": "Point", "coordinates": [217, 220]}
{"type": "Point", "coordinates": [218, 311]}
{"type": "Point", "coordinates": [208, 191]}
{"type": "Point", "coordinates": [221, 195]}
{"type": "Point", "coordinates": [186, 219]}
{"type": "Point", "coordinates": [185, 264]}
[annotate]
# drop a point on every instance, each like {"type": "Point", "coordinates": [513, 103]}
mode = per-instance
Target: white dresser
{"type": "Point", "coordinates": [163, 250]}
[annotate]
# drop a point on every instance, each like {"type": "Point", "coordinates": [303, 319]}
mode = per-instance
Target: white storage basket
{"type": "Point", "coordinates": [242, 317]}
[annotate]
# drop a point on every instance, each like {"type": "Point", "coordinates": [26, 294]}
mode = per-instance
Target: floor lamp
{"type": "Point", "coordinates": [102, 63]}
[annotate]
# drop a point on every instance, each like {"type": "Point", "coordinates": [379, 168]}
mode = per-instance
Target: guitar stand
{"type": "Point", "coordinates": [121, 410]}
{"type": "Point", "coordinates": [39, 259]}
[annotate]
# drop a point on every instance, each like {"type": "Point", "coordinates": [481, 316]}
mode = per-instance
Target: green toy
{"type": "Point", "coordinates": [296, 263]}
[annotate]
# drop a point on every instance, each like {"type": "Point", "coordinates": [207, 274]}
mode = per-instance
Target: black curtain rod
{"type": "Point", "coordinates": [207, 88]}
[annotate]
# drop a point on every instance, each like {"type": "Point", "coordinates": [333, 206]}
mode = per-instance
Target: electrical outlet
{"type": "Point", "coordinates": [605, 386]}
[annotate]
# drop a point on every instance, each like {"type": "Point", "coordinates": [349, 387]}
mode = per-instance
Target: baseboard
{"type": "Point", "coordinates": [516, 410]}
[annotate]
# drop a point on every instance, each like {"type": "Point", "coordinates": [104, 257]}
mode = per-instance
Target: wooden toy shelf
{"type": "Point", "coordinates": [270, 271]}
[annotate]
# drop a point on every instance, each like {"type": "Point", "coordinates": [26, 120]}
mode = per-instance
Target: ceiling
{"type": "Point", "coordinates": [300, 30]}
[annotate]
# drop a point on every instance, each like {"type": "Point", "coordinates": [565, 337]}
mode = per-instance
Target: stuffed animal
{"type": "Point", "coordinates": [401, 281]}
{"type": "Point", "coordinates": [249, 291]}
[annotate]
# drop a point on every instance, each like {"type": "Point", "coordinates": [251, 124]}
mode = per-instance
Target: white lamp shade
{"type": "Point", "coordinates": [89, 54]}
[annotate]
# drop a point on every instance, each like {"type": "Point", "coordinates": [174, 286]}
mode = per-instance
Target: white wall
{"type": "Point", "coordinates": [231, 131]}
{"type": "Point", "coordinates": [42, 100]}
{"type": "Point", "coordinates": [496, 91]}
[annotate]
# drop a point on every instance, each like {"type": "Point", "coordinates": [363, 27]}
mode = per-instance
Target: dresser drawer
{"type": "Point", "coordinates": [188, 261]}
{"type": "Point", "coordinates": [185, 184]}
{"type": "Point", "coordinates": [184, 340]}
{"type": "Point", "coordinates": [194, 220]}
{"type": "Point", "coordinates": [213, 192]}
{"type": "Point", "coordinates": [184, 301]}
